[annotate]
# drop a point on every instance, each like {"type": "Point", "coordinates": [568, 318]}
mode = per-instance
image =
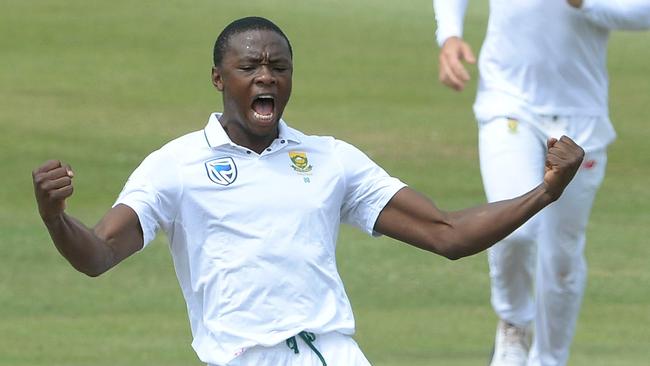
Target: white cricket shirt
{"type": "Point", "coordinates": [544, 57]}
{"type": "Point", "coordinates": [253, 237]}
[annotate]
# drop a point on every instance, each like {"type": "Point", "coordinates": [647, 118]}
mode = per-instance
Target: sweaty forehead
{"type": "Point", "coordinates": [256, 43]}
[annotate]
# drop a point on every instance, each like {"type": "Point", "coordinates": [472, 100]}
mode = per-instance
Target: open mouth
{"type": "Point", "coordinates": [263, 107]}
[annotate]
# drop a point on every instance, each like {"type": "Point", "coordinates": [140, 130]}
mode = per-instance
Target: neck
{"type": "Point", "coordinates": [247, 139]}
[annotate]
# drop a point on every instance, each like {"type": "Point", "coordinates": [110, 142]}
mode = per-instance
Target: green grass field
{"type": "Point", "coordinates": [101, 84]}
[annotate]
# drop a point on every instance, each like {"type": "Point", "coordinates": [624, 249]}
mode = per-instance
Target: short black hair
{"type": "Point", "coordinates": [243, 25]}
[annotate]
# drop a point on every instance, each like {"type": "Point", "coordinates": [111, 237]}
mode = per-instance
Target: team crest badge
{"type": "Point", "coordinates": [222, 171]}
{"type": "Point", "coordinates": [512, 125]}
{"type": "Point", "coordinates": [299, 161]}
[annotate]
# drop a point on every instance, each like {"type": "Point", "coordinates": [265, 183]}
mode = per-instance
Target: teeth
{"type": "Point", "coordinates": [263, 117]}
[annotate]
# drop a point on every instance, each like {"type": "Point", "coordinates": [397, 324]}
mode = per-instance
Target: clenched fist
{"type": "Point", "coordinates": [563, 160]}
{"type": "Point", "coordinates": [52, 186]}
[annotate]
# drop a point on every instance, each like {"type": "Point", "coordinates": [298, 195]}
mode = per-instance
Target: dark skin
{"type": "Point", "coordinates": [258, 63]}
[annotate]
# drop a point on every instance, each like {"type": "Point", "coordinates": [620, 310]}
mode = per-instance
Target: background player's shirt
{"type": "Point", "coordinates": [544, 57]}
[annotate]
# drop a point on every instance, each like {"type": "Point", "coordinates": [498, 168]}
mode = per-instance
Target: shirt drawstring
{"type": "Point", "coordinates": [308, 337]}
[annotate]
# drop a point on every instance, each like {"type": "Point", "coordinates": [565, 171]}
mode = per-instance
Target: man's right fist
{"type": "Point", "coordinates": [52, 185]}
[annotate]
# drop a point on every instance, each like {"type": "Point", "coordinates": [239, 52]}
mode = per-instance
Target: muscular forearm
{"type": "Point", "coordinates": [81, 246]}
{"type": "Point", "coordinates": [412, 218]}
{"type": "Point", "coordinates": [91, 251]}
{"type": "Point", "coordinates": [476, 229]}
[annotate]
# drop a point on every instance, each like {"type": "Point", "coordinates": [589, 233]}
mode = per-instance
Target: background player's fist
{"type": "Point", "coordinates": [451, 71]}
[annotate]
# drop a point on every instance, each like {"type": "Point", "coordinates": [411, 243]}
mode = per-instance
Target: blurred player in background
{"type": "Point", "coordinates": [252, 209]}
{"type": "Point", "coordinates": [542, 74]}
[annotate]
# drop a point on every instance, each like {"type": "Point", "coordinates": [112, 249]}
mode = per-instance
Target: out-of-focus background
{"type": "Point", "coordinates": [101, 84]}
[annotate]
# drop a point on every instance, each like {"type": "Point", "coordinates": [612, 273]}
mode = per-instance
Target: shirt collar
{"type": "Point", "coordinates": [216, 136]}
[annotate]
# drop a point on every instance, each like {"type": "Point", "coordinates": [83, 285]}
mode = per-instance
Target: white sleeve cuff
{"type": "Point", "coordinates": [449, 19]}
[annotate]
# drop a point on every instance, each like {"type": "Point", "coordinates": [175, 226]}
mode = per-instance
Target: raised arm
{"type": "Point", "coordinates": [412, 218]}
{"type": "Point", "coordinates": [91, 251]}
{"type": "Point", "coordinates": [454, 50]}
{"type": "Point", "coordinates": [616, 14]}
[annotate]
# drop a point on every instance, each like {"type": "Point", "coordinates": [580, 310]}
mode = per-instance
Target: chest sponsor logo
{"type": "Point", "coordinates": [222, 171]}
{"type": "Point", "coordinates": [299, 162]}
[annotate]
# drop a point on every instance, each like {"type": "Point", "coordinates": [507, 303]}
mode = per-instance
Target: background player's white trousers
{"type": "Point", "coordinates": [337, 350]}
{"type": "Point", "coordinates": [548, 251]}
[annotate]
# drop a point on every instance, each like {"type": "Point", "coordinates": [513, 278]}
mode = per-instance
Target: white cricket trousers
{"type": "Point", "coordinates": [538, 273]}
{"type": "Point", "coordinates": [337, 350]}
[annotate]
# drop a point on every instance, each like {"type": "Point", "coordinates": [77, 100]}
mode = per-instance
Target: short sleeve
{"type": "Point", "coordinates": [152, 191]}
{"type": "Point", "coordinates": [368, 188]}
